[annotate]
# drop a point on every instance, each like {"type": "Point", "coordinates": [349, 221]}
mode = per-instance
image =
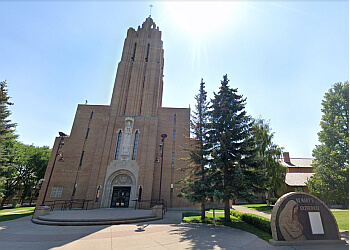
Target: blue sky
{"type": "Point", "coordinates": [281, 55]}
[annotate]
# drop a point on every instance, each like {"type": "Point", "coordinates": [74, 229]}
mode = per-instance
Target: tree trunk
{"type": "Point", "coordinates": [268, 199]}
{"type": "Point", "coordinates": [203, 210]}
{"type": "Point", "coordinates": [3, 200]}
{"type": "Point", "coordinates": [227, 211]}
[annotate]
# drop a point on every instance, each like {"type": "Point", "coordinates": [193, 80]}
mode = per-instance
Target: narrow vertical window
{"type": "Point", "coordinates": [147, 53]}
{"type": "Point", "coordinates": [87, 134]}
{"type": "Point", "coordinates": [81, 159]}
{"type": "Point", "coordinates": [172, 160]}
{"type": "Point", "coordinates": [174, 117]}
{"type": "Point", "coordinates": [92, 114]}
{"type": "Point", "coordinates": [135, 145]}
{"type": "Point", "coordinates": [174, 133]}
{"type": "Point", "coordinates": [118, 145]}
{"type": "Point", "coordinates": [133, 56]}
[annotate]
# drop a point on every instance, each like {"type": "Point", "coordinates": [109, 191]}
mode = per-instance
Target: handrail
{"type": "Point", "coordinates": [69, 203]}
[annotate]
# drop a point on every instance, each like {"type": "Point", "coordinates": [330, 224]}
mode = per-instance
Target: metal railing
{"type": "Point", "coordinates": [69, 204]}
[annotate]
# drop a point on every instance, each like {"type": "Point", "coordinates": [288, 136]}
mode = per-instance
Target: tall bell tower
{"type": "Point", "coordinates": [138, 86]}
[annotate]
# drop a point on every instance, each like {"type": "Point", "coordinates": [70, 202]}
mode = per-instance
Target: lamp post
{"type": "Point", "coordinates": [161, 166]}
{"type": "Point", "coordinates": [60, 144]}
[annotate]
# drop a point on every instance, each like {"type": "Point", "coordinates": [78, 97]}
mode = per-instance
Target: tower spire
{"type": "Point", "coordinates": [150, 10]}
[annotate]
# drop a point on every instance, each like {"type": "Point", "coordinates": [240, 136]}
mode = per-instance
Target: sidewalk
{"type": "Point", "coordinates": [168, 233]}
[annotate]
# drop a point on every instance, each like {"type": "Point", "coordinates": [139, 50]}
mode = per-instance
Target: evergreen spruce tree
{"type": "Point", "coordinates": [330, 182]}
{"type": "Point", "coordinates": [197, 184]}
{"type": "Point", "coordinates": [6, 137]}
{"type": "Point", "coordinates": [233, 148]}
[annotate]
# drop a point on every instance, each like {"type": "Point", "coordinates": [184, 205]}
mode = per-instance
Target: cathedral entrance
{"type": "Point", "coordinates": [120, 197]}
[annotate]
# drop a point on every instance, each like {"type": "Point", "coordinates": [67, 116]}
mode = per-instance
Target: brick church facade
{"type": "Point", "coordinates": [113, 152]}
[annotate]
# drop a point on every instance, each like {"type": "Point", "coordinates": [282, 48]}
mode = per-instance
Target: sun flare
{"type": "Point", "coordinates": [201, 18]}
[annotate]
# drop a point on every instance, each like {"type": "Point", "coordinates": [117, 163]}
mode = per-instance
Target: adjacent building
{"type": "Point", "coordinates": [299, 171]}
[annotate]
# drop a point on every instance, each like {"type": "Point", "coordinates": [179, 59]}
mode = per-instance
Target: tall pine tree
{"type": "Point", "coordinates": [197, 185]}
{"type": "Point", "coordinates": [6, 136]}
{"type": "Point", "coordinates": [233, 148]}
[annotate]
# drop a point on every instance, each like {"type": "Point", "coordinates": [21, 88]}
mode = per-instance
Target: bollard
{"type": "Point", "coordinates": [214, 216]}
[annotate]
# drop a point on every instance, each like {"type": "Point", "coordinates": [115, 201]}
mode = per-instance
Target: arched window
{"type": "Point", "coordinates": [118, 145]}
{"type": "Point", "coordinates": [135, 145]}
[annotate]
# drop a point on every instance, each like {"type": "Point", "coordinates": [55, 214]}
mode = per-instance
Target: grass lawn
{"type": "Point", "coordinates": [5, 210]}
{"type": "Point", "coordinates": [13, 216]}
{"type": "Point", "coordinates": [18, 213]}
{"type": "Point", "coordinates": [259, 207]}
{"type": "Point", "coordinates": [342, 218]}
{"type": "Point", "coordinates": [236, 223]}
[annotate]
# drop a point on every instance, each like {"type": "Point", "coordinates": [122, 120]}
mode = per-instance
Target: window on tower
{"type": "Point", "coordinates": [133, 56]}
{"type": "Point", "coordinates": [87, 134]}
{"type": "Point", "coordinates": [81, 159]}
{"type": "Point", "coordinates": [118, 145]}
{"type": "Point", "coordinates": [147, 53]}
{"type": "Point", "coordinates": [135, 145]}
{"type": "Point", "coordinates": [172, 160]}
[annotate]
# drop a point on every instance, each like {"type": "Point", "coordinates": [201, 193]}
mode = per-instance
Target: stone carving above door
{"type": "Point", "coordinates": [122, 179]}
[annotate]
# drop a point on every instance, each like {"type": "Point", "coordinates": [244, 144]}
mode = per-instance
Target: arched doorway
{"type": "Point", "coordinates": [120, 190]}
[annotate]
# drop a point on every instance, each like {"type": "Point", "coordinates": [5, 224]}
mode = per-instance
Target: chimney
{"type": "Point", "coordinates": [286, 157]}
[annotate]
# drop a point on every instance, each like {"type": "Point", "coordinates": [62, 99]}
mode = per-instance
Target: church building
{"type": "Point", "coordinates": [130, 149]}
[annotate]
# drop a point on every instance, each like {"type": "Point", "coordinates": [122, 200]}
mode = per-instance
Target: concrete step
{"type": "Point", "coordinates": [45, 218]}
{"type": "Point", "coordinates": [92, 222]}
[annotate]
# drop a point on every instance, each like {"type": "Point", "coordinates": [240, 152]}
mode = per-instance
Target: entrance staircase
{"type": "Point", "coordinates": [96, 217]}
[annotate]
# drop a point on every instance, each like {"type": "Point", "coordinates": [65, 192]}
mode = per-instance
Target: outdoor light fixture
{"type": "Point", "coordinates": [58, 153]}
{"type": "Point", "coordinates": [161, 165]}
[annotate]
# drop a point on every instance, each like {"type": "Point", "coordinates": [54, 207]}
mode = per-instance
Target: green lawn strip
{"type": "Point", "coordinates": [16, 209]}
{"type": "Point", "coordinates": [236, 223]}
{"type": "Point", "coordinates": [216, 210]}
{"type": "Point", "coordinates": [259, 207]}
{"type": "Point", "coordinates": [13, 216]}
{"type": "Point", "coordinates": [342, 218]}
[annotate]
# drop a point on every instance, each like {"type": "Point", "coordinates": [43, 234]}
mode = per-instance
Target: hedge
{"type": "Point", "coordinates": [255, 220]}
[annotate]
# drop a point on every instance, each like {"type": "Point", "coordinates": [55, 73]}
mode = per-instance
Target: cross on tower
{"type": "Point", "coordinates": [150, 10]}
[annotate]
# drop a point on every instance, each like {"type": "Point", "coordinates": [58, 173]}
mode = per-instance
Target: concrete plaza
{"type": "Point", "coordinates": [168, 233]}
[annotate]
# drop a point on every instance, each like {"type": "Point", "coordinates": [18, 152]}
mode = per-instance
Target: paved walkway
{"type": "Point", "coordinates": [247, 210]}
{"type": "Point", "coordinates": [168, 233]}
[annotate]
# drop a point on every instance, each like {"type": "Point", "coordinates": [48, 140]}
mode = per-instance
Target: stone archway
{"type": "Point", "coordinates": [119, 178]}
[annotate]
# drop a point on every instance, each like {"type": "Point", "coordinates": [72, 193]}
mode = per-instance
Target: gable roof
{"type": "Point", "coordinates": [298, 162]}
{"type": "Point", "coordinates": [297, 179]}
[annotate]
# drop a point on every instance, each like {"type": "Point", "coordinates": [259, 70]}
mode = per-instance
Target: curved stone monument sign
{"type": "Point", "coordinates": [302, 219]}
